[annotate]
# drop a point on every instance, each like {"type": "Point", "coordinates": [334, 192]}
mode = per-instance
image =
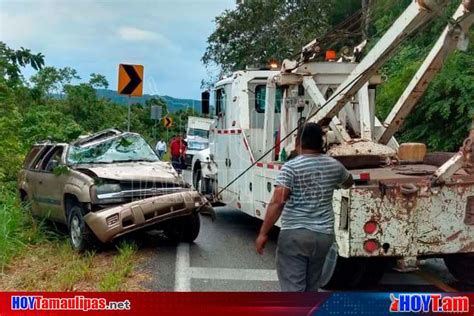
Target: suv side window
{"type": "Point", "coordinates": [52, 159]}
{"type": "Point", "coordinates": [39, 158]}
{"type": "Point", "coordinates": [34, 151]}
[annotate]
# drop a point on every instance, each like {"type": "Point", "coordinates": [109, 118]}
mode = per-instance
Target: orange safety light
{"type": "Point", "coordinates": [273, 64]}
{"type": "Point", "coordinates": [331, 55]}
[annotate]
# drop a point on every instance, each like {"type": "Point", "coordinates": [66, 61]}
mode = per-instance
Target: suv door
{"type": "Point", "coordinates": [50, 186]}
{"type": "Point", "coordinates": [28, 176]}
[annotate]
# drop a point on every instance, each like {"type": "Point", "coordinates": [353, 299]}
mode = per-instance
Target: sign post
{"type": "Point", "coordinates": [130, 82]}
{"type": "Point", "coordinates": [156, 114]}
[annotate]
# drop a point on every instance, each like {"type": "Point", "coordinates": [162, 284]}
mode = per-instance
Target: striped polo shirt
{"type": "Point", "coordinates": [312, 180]}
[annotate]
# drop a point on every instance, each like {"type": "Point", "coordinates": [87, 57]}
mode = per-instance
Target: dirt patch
{"type": "Point", "coordinates": [56, 267]}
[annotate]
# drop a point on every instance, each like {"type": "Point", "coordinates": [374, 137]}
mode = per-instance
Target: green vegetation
{"type": "Point", "coordinates": [17, 229]}
{"type": "Point", "coordinates": [55, 266]}
{"type": "Point", "coordinates": [51, 105]}
{"type": "Point", "coordinates": [120, 269]}
{"type": "Point", "coordinates": [257, 31]}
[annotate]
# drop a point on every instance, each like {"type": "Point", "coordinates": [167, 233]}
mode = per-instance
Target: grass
{"type": "Point", "coordinates": [122, 266]}
{"type": "Point", "coordinates": [17, 228]}
{"type": "Point", "coordinates": [33, 257]}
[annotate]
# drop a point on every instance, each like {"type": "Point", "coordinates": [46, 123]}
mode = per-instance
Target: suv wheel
{"type": "Point", "coordinates": [26, 203]}
{"type": "Point", "coordinates": [81, 236]}
{"type": "Point", "coordinates": [183, 229]}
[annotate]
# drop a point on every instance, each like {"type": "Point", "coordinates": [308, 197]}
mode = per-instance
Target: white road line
{"type": "Point", "coordinates": [182, 280]}
{"type": "Point", "coordinates": [184, 273]}
{"type": "Point", "coordinates": [233, 274]}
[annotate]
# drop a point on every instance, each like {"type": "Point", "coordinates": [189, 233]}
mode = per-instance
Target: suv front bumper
{"type": "Point", "coordinates": [110, 223]}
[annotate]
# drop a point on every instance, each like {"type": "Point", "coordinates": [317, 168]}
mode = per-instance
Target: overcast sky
{"type": "Point", "coordinates": [167, 36]}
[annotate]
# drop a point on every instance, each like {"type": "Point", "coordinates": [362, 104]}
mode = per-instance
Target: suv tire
{"type": "Point", "coordinates": [183, 229]}
{"type": "Point", "coordinates": [82, 238]}
{"type": "Point", "coordinates": [26, 203]}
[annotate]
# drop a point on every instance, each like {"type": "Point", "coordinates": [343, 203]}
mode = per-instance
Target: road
{"type": "Point", "coordinates": [223, 258]}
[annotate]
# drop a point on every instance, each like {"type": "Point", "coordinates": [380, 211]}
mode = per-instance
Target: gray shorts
{"type": "Point", "coordinates": [300, 258]}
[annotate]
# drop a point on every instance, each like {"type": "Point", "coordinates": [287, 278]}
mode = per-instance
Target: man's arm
{"type": "Point", "coordinates": [348, 183]}
{"type": "Point", "coordinates": [274, 209]}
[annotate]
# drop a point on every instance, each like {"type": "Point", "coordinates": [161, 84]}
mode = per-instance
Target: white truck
{"type": "Point", "coordinates": [404, 206]}
{"type": "Point", "coordinates": [197, 136]}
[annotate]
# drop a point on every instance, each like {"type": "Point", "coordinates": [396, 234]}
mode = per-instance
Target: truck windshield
{"type": "Point", "coordinates": [124, 148]}
{"type": "Point", "coordinates": [198, 132]}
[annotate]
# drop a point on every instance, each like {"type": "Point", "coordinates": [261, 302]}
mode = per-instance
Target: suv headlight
{"type": "Point", "coordinates": [107, 188]}
{"type": "Point", "coordinates": [107, 193]}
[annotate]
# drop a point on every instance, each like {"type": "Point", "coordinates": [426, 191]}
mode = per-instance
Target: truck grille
{"type": "Point", "coordinates": [137, 190]}
{"type": "Point", "coordinates": [469, 218]}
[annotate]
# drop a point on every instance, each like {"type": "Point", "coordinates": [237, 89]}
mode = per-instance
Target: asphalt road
{"type": "Point", "coordinates": [223, 258]}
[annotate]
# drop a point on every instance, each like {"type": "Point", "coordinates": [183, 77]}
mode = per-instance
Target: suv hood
{"type": "Point", "coordinates": [139, 171]}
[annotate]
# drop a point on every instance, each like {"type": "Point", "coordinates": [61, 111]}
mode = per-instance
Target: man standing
{"type": "Point", "coordinates": [178, 152]}
{"type": "Point", "coordinates": [161, 148]}
{"type": "Point", "coordinates": [303, 196]}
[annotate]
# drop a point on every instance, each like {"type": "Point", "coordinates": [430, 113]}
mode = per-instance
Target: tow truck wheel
{"type": "Point", "coordinates": [347, 273]}
{"type": "Point", "coordinates": [202, 185]}
{"type": "Point", "coordinates": [461, 266]}
{"type": "Point", "coordinates": [197, 179]}
{"type": "Point", "coordinates": [356, 272]}
{"type": "Point", "coordinates": [82, 238]}
{"type": "Point", "coordinates": [184, 229]}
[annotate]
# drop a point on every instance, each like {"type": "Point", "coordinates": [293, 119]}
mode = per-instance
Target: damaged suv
{"type": "Point", "coordinates": [106, 185]}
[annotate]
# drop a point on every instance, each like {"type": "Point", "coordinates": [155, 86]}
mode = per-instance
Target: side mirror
{"type": "Point", "coordinates": [205, 102]}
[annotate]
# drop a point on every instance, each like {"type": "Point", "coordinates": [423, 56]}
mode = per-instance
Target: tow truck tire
{"type": "Point", "coordinates": [461, 266]}
{"type": "Point", "coordinates": [352, 273]}
{"type": "Point", "coordinates": [184, 229]}
{"type": "Point", "coordinates": [80, 235]}
{"type": "Point", "coordinates": [197, 179]}
{"type": "Point", "coordinates": [347, 273]}
{"type": "Point", "coordinates": [374, 271]}
{"type": "Point", "coordinates": [202, 185]}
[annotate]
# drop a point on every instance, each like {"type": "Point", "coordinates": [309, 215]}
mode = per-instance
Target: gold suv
{"type": "Point", "coordinates": [106, 185]}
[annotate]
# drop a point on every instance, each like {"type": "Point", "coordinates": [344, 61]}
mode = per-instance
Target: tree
{"type": "Point", "coordinates": [258, 31]}
{"type": "Point", "coordinates": [51, 80]}
{"type": "Point", "coordinates": [98, 81]}
{"type": "Point", "coordinates": [12, 60]}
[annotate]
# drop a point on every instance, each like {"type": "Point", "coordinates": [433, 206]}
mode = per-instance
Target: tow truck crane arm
{"type": "Point", "coordinates": [411, 19]}
{"type": "Point", "coordinates": [445, 45]}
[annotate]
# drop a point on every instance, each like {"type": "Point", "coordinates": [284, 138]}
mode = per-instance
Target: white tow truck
{"type": "Point", "coordinates": [407, 204]}
{"type": "Point", "coordinates": [197, 136]}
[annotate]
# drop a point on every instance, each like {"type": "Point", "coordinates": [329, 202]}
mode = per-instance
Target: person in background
{"type": "Point", "coordinates": [160, 148]}
{"type": "Point", "coordinates": [303, 196]}
{"type": "Point", "coordinates": [178, 152]}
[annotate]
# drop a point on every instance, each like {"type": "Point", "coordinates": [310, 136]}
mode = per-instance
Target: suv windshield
{"type": "Point", "coordinates": [198, 132]}
{"type": "Point", "coordinates": [125, 148]}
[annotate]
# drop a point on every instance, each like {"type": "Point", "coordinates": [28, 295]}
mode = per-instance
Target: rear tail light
{"type": "Point", "coordinates": [371, 245]}
{"type": "Point", "coordinates": [370, 227]}
{"type": "Point", "coordinates": [361, 177]}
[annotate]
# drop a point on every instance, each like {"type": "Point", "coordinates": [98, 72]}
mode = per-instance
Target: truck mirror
{"type": "Point", "coordinates": [205, 102]}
